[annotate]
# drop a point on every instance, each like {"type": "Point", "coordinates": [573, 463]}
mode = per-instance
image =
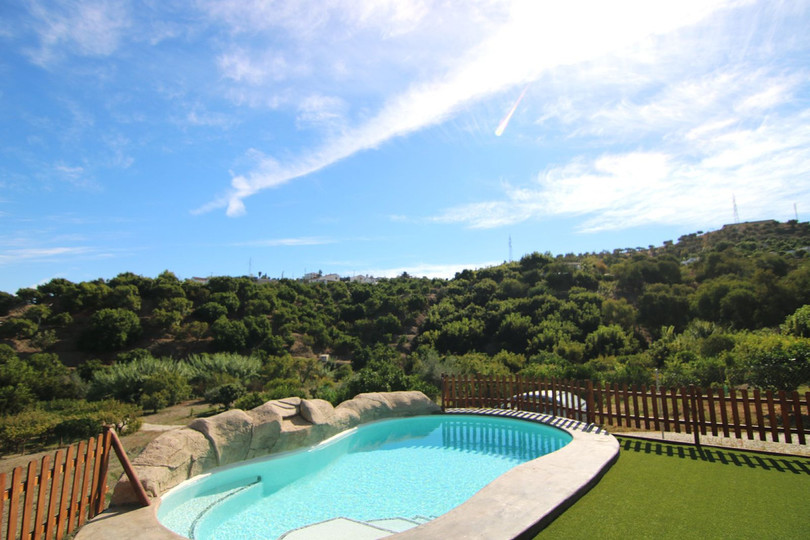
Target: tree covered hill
{"type": "Point", "coordinates": [723, 307]}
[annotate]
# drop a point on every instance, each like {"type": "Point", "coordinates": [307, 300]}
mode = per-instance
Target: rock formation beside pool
{"type": "Point", "coordinates": [276, 426]}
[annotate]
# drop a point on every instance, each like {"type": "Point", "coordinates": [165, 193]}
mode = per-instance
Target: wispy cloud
{"type": "Point", "coordinates": [763, 167]}
{"type": "Point", "coordinates": [681, 130]}
{"type": "Point", "coordinates": [41, 254]}
{"type": "Point", "coordinates": [87, 28]}
{"type": "Point", "coordinates": [531, 39]}
{"type": "Point", "coordinates": [289, 242]}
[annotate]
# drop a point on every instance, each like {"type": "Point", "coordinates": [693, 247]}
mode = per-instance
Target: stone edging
{"type": "Point", "coordinates": [276, 426]}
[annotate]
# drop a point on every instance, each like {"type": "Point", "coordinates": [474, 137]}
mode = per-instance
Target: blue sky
{"type": "Point", "coordinates": [284, 137]}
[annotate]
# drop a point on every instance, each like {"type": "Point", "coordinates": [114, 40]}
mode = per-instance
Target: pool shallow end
{"type": "Point", "coordinates": [517, 504]}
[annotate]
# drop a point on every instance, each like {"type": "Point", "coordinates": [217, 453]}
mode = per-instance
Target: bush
{"type": "Point", "coordinates": [19, 328]}
{"type": "Point", "coordinates": [210, 312]}
{"type": "Point", "coordinates": [209, 370]}
{"type": "Point", "coordinates": [225, 394]}
{"type": "Point", "coordinates": [798, 324]}
{"type": "Point", "coordinates": [775, 362]}
{"type": "Point", "coordinates": [44, 339]}
{"type": "Point", "coordinates": [251, 400]}
{"type": "Point", "coordinates": [125, 382]}
{"type": "Point", "coordinates": [19, 429]}
{"type": "Point", "coordinates": [229, 335]}
{"type": "Point", "coordinates": [283, 388]}
{"type": "Point", "coordinates": [111, 329]}
{"type": "Point", "coordinates": [60, 319]}
{"type": "Point", "coordinates": [155, 401]}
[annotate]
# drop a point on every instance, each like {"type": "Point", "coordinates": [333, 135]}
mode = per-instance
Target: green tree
{"type": "Point", "coordinates": [125, 297]}
{"type": "Point", "coordinates": [774, 362]}
{"type": "Point", "coordinates": [19, 328]}
{"type": "Point", "coordinates": [16, 381]}
{"type": "Point", "coordinates": [21, 428]}
{"type": "Point", "coordinates": [608, 341]}
{"type": "Point", "coordinates": [664, 305]}
{"type": "Point", "coordinates": [229, 335]}
{"type": "Point", "coordinates": [225, 394]}
{"type": "Point", "coordinates": [8, 302]}
{"type": "Point", "coordinates": [165, 385]}
{"type": "Point", "coordinates": [798, 323]}
{"type": "Point", "coordinates": [210, 312]}
{"type": "Point", "coordinates": [111, 329]}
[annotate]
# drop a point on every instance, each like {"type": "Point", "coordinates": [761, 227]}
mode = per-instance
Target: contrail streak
{"type": "Point", "coordinates": [505, 121]}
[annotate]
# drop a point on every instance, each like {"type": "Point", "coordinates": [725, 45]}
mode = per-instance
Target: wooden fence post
{"type": "Point", "coordinates": [590, 402]}
{"type": "Point", "coordinates": [134, 481]}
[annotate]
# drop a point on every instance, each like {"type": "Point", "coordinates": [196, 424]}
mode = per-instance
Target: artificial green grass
{"type": "Point", "coordinates": [658, 490]}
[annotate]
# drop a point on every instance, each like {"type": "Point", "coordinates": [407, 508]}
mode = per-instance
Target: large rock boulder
{"type": "Point", "coordinates": [316, 411]}
{"type": "Point", "coordinates": [230, 433]}
{"type": "Point", "coordinates": [376, 405]}
{"type": "Point", "coordinates": [266, 429]}
{"type": "Point", "coordinates": [276, 426]}
{"type": "Point", "coordinates": [173, 457]}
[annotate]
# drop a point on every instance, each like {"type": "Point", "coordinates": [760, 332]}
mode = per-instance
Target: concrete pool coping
{"type": "Point", "coordinates": [517, 504]}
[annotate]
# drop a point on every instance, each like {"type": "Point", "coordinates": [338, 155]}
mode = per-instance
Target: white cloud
{"type": "Point", "coordinates": [87, 28]}
{"type": "Point", "coordinates": [322, 110]}
{"type": "Point", "coordinates": [289, 242]}
{"type": "Point", "coordinates": [532, 39]}
{"type": "Point", "coordinates": [40, 254]}
{"type": "Point", "coordinates": [765, 168]}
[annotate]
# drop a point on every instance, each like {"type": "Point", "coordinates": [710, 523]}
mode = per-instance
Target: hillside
{"type": "Point", "coordinates": [706, 309]}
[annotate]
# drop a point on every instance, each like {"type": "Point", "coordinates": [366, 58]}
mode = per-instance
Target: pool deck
{"type": "Point", "coordinates": [517, 504]}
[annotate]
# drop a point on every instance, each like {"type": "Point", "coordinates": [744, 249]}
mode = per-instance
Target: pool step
{"type": "Point", "coordinates": [350, 529]}
{"type": "Point", "coordinates": [395, 524]}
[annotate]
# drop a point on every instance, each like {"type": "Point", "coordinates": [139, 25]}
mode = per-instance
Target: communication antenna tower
{"type": "Point", "coordinates": [510, 248]}
{"type": "Point", "coordinates": [795, 212]}
{"type": "Point", "coordinates": [736, 213]}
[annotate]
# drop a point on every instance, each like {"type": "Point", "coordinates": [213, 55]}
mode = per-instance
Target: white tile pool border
{"type": "Point", "coordinates": [516, 505]}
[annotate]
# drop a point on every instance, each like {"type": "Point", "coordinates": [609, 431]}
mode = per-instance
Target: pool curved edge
{"type": "Point", "coordinates": [517, 504]}
{"type": "Point", "coordinates": [524, 500]}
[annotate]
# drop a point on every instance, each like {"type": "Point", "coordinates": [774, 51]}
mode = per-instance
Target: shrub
{"type": "Point", "coordinates": [209, 370]}
{"type": "Point", "coordinates": [210, 312]}
{"type": "Point", "coordinates": [775, 362]}
{"type": "Point", "coordinates": [19, 429]}
{"type": "Point", "coordinates": [225, 394]}
{"type": "Point", "coordinates": [229, 335]}
{"type": "Point", "coordinates": [111, 329]}
{"type": "Point", "coordinates": [17, 327]}
{"type": "Point", "coordinates": [251, 400]}
{"type": "Point", "coordinates": [798, 324]}
{"type": "Point", "coordinates": [125, 382]}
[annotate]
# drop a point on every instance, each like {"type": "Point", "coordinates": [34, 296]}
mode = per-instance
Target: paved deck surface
{"type": "Point", "coordinates": [722, 442]}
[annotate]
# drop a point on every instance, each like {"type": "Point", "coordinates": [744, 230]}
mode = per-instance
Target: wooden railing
{"type": "Point", "coordinates": [779, 416]}
{"type": "Point", "coordinates": [56, 495]}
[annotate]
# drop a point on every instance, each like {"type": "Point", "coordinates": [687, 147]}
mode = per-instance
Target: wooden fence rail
{"type": "Point", "coordinates": [779, 416]}
{"type": "Point", "coordinates": [56, 495]}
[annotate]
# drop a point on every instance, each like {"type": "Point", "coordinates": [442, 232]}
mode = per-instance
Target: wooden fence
{"type": "Point", "coordinates": [55, 496]}
{"type": "Point", "coordinates": [779, 416]}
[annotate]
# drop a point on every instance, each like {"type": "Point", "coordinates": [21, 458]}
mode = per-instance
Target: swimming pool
{"type": "Point", "coordinates": [403, 468]}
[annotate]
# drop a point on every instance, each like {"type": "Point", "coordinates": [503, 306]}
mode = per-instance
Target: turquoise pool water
{"type": "Point", "coordinates": [420, 466]}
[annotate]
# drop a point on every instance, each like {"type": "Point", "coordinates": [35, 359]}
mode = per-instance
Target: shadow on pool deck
{"type": "Point", "coordinates": [767, 462]}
